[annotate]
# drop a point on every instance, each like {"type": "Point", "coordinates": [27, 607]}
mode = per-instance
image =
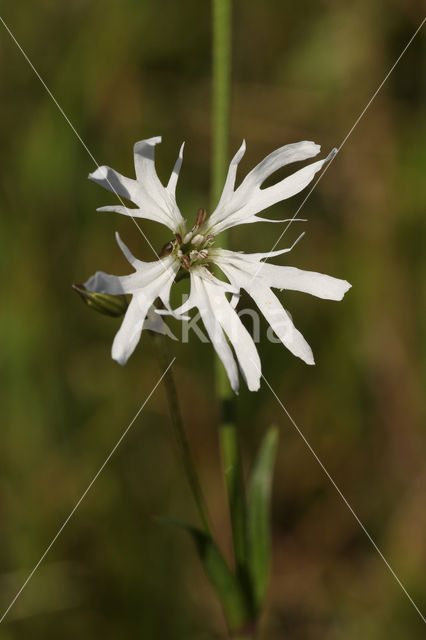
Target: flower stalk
{"type": "Point", "coordinates": [221, 94]}
{"type": "Point", "coordinates": [230, 449]}
{"type": "Point", "coordinates": [179, 431]}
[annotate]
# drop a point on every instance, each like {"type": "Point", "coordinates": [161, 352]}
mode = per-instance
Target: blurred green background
{"type": "Point", "coordinates": [128, 70]}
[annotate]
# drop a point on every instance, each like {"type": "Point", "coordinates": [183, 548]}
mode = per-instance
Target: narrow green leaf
{"type": "Point", "coordinates": [224, 582]}
{"type": "Point", "coordinates": [258, 515]}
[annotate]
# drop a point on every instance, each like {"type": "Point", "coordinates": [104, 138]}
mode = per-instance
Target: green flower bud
{"type": "Point", "coordinates": [114, 306]}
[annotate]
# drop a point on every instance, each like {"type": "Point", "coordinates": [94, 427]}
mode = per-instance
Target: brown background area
{"type": "Point", "coordinates": [128, 70]}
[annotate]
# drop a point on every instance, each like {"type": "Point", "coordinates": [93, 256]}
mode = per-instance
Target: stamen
{"type": "Point", "coordinates": [198, 239]}
{"type": "Point", "coordinates": [201, 216]}
{"type": "Point", "coordinates": [178, 238]}
{"type": "Point", "coordinates": [185, 261]}
{"type": "Point", "coordinates": [166, 250]}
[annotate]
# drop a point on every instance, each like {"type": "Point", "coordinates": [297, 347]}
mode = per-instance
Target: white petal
{"type": "Point", "coordinates": [281, 277]}
{"type": "Point", "coordinates": [144, 152]}
{"type": "Point", "coordinates": [102, 282]}
{"type": "Point", "coordinates": [148, 208]}
{"type": "Point", "coordinates": [214, 330]}
{"type": "Point", "coordinates": [225, 255]}
{"type": "Point", "coordinates": [205, 274]}
{"type": "Point", "coordinates": [144, 158]}
{"type": "Point", "coordinates": [281, 323]}
{"type": "Point", "coordinates": [171, 186]}
{"type": "Point", "coordinates": [115, 182]}
{"type": "Point", "coordinates": [258, 219]}
{"type": "Point", "coordinates": [241, 218]}
{"type": "Point", "coordinates": [270, 306]}
{"type": "Point", "coordinates": [127, 337]}
{"type": "Point", "coordinates": [284, 155]}
{"type": "Point", "coordinates": [155, 322]}
{"type": "Point", "coordinates": [241, 340]}
{"type": "Point", "coordinates": [128, 254]}
{"type": "Point", "coordinates": [129, 333]}
{"type": "Point", "coordinates": [286, 188]}
{"type": "Point", "coordinates": [165, 281]}
{"type": "Point", "coordinates": [228, 189]}
{"type": "Point", "coordinates": [317, 284]}
{"type": "Point", "coordinates": [192, 301]}
{"type": "Point", "coordinates": [271, 254]}
{"type": "Point", "coordinates": [189, 304]}
{"type": "Point", "coordinates": [153, 200]}
{"type": "Point", "coordinates": [163, 270]}
{"type": "Point", "coordinates": [153, 214]}
{"type": "Point", "coordinates": [241, 206]}
{"type": "Point", "coordinates": [235, 300]}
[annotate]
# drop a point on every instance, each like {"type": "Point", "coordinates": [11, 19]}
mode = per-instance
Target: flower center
{"type": "Point", "coordinates": [190, 247]}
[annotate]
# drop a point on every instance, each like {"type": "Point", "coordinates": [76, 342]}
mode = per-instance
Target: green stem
{"type": "Point", "coordinates": [179, 430]}
{"type": "Point", "coordinates": [220, 137]}
{"type": "Point", "coordinates": [232, 467]}
{"type": "Point", "coordinates": [221, 96]}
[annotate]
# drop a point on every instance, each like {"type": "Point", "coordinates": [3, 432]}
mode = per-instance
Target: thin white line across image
{"type": "Point", "coordinates": [79, 138]}
{"type": "Point", "coordinates": [357, 121]}
{"type": "Point", "coordinates": [85, 492]}
{"type": "Point", "coordinates": [348, 505]}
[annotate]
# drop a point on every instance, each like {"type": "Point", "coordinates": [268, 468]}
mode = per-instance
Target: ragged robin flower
{"type": "Point", "coordinates": [194, 249]}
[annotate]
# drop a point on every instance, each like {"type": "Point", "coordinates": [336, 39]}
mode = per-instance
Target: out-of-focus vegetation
{"type": "Point", "coordinates": [127, 70]}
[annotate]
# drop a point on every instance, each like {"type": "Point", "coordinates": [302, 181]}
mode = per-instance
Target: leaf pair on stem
{"type": "Point", "coordinates": [242, 592]}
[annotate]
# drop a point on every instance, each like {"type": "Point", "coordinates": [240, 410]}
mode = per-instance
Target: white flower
{"type": "Point", "coordinates": [192, 250]}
